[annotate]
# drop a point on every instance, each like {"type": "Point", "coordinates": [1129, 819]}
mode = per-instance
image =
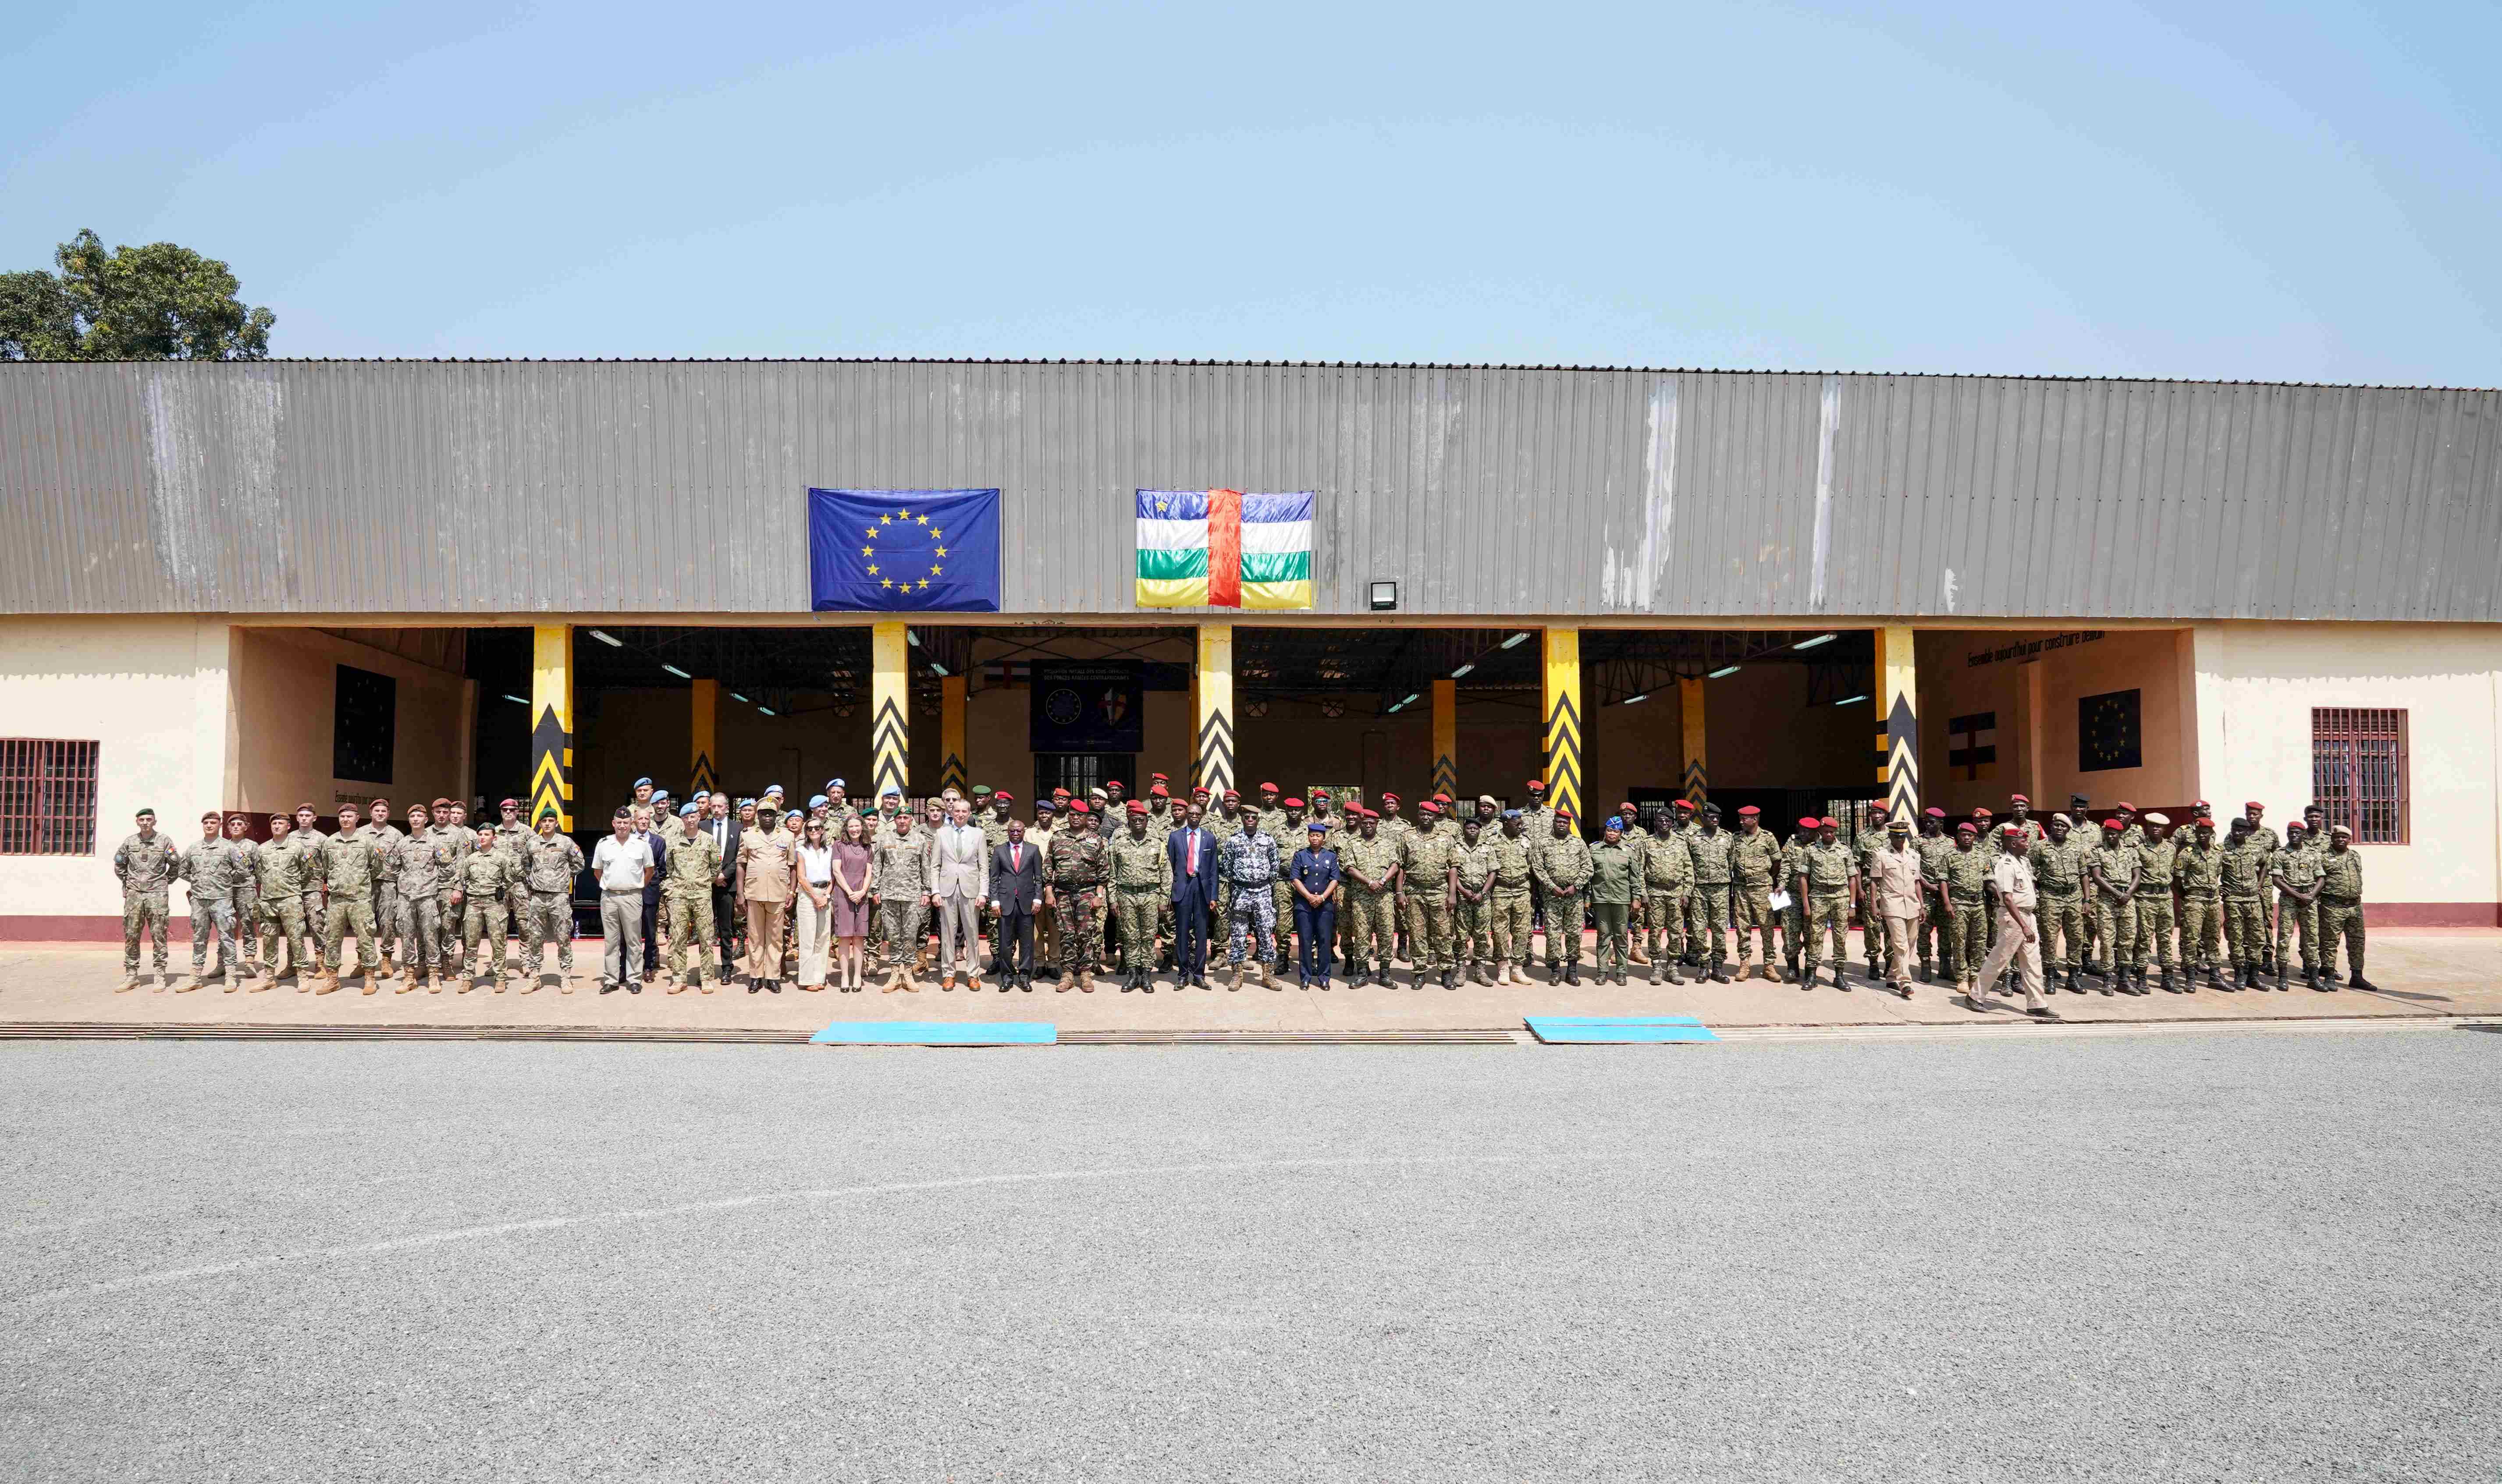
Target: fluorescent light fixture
{"type": "Point", "coordinates": [607, 638]}
{"type": "Point", "coordinates": [515, 699]}
{"type": "Point", "coordinates": [674, 670]}
{"type": "Point", "coordinates": [1812, 643]}
{"type": "Point", "coordinates": [764, 711]}
{"type": "Point", "coordinates": [1726, 669]}
{"type": "Point", "coordinates": [734, 695]}
{"type": "Point", "coordinates": [1464, 669]}
{"type": "Point", "coordinates": [1516, 640]}
{"type": "Point", "coordinates": [912, 636]}
{"type": "Point", "coordinates": [1636, 700]}
{"type": "Point", "coordinates": [1853, 700]}
{"type": "Point", "coordinates": [1412, 699]}
{"type": "Point", "coordinates": [1394, 708]}
{"type": "Point", "coordinates": [935, 665]}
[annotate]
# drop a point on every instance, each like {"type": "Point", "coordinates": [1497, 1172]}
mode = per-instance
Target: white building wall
{"type": "Point", "coordinates": [2258, 684]}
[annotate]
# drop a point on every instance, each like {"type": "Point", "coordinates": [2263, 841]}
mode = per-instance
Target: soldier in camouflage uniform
{"type": "Point", "coordinates": [2341, 907]}
{"type": "Point", "coordinates": [308, 838]}
{"type": "Point", "coordinates": [421, 868]}
{"type": "Point", "coordinates": [1224, 821]}
{"type": "Point", "coordinates": [1537, 827]}
{"type": "Point", "coordinates": [1141, 873]}
{"type": "Point", "coordinates": [2242, 873]}
{"type": "Point", "coordinates": [482, 882]}
{"type": "Point", "coordinates": [1668, 892]}
{"type": "Point", "coordinates": [1961, 875]}
{"type": "Point", "coordinates": [1828, 874]}
{"type": "Point", "coordinates": [1368, 865]}
{"type": "Point", "coordinates": [899, 876]}
{"type": "Point", "coordinates": [1794, 917]}
{"type": "Point", "coordinates": [1864, 847]}
{"type": "Point", "coordinates": [281, 872]}
{"type": "Point", "coordinates": [2199, 874]}
{"type": "Point", "coordinates": [2158, 862]}
{"type": "Point", "coordinates": [2112, 870]}
{"type": "Point", "coordinates": [2294, 873]}
{"type": "Point", "coordinates": [2254, 814]}
{"type": "Point", "coordinates": [2059, 888]}
{"type": "Point", "coordinates": [1249, 869]}
{"type": "Point", "coordinates": [1425, 875]}
{"type": "Point", "coordinates": [349, 863]}
{"type": "Point", "coordinates": [1074, 871]}
{"type": "Point", "coordinates": [1513, 907]}
{"type": "Point", "coordinates": [2082, 829]}
{"type": "Point", "coordinates": [550, 864]}
{"type": "Point", "coordinates": [1614, 881]}
{"type": "Point", "coordinates": [212, 868]}
{"type": "Point", "coordinates": [383, 836]}
{"type": "Point", "coordinates": [512, 837]}
{"type": "Point", "coordinates": [1716, 864]}
{"type": "Point", "coordinates": [146, 862]}
{"type": "Point", "coordinates": [686, 900]}
{"type": "Point", "coordinates": [1562, 869]}
{"type": "Point", "coordinates": [1755, 857]}
{"type": "Point", "coordinates": [1473, 872]}
{"type": "Point", "coordinates": [1937, 925]}
{"type": "Point", "coordinates": [247, 896]}
{"type": "Point", "coordinates": [1637, 915]}
{"type": "Point", "coordinates": [1285, 826]}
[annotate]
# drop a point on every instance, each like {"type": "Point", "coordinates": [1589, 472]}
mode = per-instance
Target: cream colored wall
{"type": "Point", "coordinates": [286, 694]}
{"type": "Point", "coordinates": [2037, 736]}
{"type": "Point", "coordinates": [153, 691]}
{"type": "Point", "coordinates": [2257, 683]}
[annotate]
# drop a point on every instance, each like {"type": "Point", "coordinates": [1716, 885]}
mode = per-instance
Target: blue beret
{"type": "Point", "coordinates": [642, 783]}
{"type": "Point", "coordinates": [1511, 814]}
{"type": "Point", "coordinates": [1317, 827]}
{"type": "Point", "coordinates": [889, 792]}
{"type": "Point", "coordinates": [816, 801]}
{"type": "Point", "coordinates": [688, 809]}
{"type": "Point", "coordinates": [772, 787]}
{"type": "Point", "coordinates": [833, 783]}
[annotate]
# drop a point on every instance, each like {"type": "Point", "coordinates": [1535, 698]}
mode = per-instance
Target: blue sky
{"type": "Point", "coordinates": [2301, 194]}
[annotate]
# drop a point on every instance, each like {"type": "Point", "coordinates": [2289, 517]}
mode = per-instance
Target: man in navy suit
{"type": "Point", "coordinates": [1015, 895]}
{"type": "Point", "coordinates": [1192, 851]}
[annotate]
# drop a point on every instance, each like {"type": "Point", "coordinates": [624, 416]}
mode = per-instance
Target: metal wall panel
{"type": "Point", "coordinates": [669, 486]}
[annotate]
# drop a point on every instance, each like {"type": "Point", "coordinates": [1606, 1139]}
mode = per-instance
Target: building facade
{"type": "Point", "coordinates": [250, 586]}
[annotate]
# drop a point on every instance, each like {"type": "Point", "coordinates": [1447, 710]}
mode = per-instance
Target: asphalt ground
{"type": "Point", "coordinates": [2193, 1257]}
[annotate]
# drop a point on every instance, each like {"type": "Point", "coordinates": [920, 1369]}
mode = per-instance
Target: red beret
{"type": "Point", "coordinates": [2111, 823]}
{"type": "Point", "coordinates": [1828, 822]}
{"type": "Point", "coordinates": [509, 803]}
{"type": "Point", "coordinates": [1980, 813]}
{"type": "Point", "coordinates": [1136, 807]}
{"type": "Point", "coordinates": [1059, 793]}
{"type": "Point", "coordinates": [1428, 806]}
{"type": "Point", "coordinates": [1158, 778]}
{"type": "Point", "coordinates": [1229, 793]}
{"type": "Point", "coordinates": [1535, 786]}
{"type": "Point", "coordinates": [2014, 829]}
{"type": "Point", "coordinates": [1389, 799]}
{"type": "Point", "coordinates": [1750, 809]}
{"type": "Point", "coordinates": [1005, 795]}
{"type": "Point", "coordinates": [1685, 804]}
{"type": "Point", "coordinates": [2256, 804]}
{"type": "Point", "coordinates": [1293, 802]}
{"type": "Point", "coordinates": [1806, 822]}
{"type": "Point", "coordinates": [2125, 804]}
{"type": "Point", "coordinates": [1267, 787]}
{"type": "Point", "coordinates": [1158, 791]}
{"type": "Point", "coordinates": [1562, 814]}
{"type": "Point", "coordinates": [1079, 807]}
{"type": "Point", "coordinates": [2017, 798]}
{"type": "Point", "coordinates": [1934, 812]}
{"type": "Point", "coordinates": [1962, 825]}
{"type": "Point", "coordinates": [1198, 790]}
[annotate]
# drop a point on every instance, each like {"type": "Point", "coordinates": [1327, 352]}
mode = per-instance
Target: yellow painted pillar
{"type": "Point", "coordinates": [703, 769]}
{"type": "Point", "coordinates": [1562, 650]}
{"type": "Point", "coordinates": [1446, 738]}
{"type": "Point", "coordinates": [1689, 725]}
{"type": "Point", "coordinates": [1897, 732]}
{"type": "Point", "coordinates": [889, 694]}
{"type": "Point", "coordinates": [552, 725]}
{"type": "Point", "coordinates": [952, 766]}
{"type": "Point", "coordinates": [1212, 710]}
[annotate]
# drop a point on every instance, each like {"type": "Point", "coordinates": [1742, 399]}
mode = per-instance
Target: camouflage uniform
{"type": "Point", "coordinates": [1967, 938]}
{"type": "Point", "coordinates": [1864, 847]}
{"type": "Point", "coordinates": [1077, 866]}
{"type": "Point", "coordinates": [384, 837]}
{"type": "Point", "coordinates": [1714, 853]}
{"type": "Point", "coordinates": [2290, 871]}
{"type": "Point", "coordinates": [1474, 921]}
{"type": "Point", "coordinates": [1756, 861]}
{"type": "Point", "coordinates": [419, 867]}
{"type": "Point", "coordinates": [1510, 909]}
{"type": "Point", "coordinates": [1562, 869]}
{"type": "Point", "coordinates": [686, 901]}
{"type": "Point", "coordinates": [2200, 871]}
{"type": "Point", "coordinates": [2271, 845]}
{"type": "Point", "coordinates": [1290, 836]}
{"type": "Point", "coordinates": [1247, 865]}
{"type": "Point", "coordinates": [1829, 869]}
{"type": "Point", "coordinates": [213, 869]}
{"type": "Point", "coordinates": [1372, 936]}
{"type": "Point", "coordinates": [146, 868]}
{"type": "Point", "coordinates": [513, 840]}
{"type": "Point", "coordinates": [2243, 876]}
{"type": "Point", "coordinates": [2059, 888]}
{"type": "Point", "coordinates": [1667, 889]}
{"type": "Point", "coordinates": [1935, 931]}
{"type": "Point", "coordinates": [349, 864]}
{"type": "Point", "coordinates": [458, 842]}
{"type": "Point", "coordinates": [1794, 917]}
{"type": "Point", "coordinates": [1613, 882]}
{"type": "Point", "coordinates": [281, 872]}
{"type": "Point", "coordinates": [1425, 862]}
{"type": "Point", "coordinates": [549, 865]}
{"type": "Point", "coordinates": [1141, 878]}
{"type": "Point", "coordinates": [994, 833]}
{"type": "Point", "coordinates": [2340, 909]}
{"type": "Point", "coordinates": [898, 873]}
{"type": "Point", "coordinates": [2156, 864]}
{"type": "Point", "coordinates": [2114, 873]}
{"type": "Point", "coordinates": [246, 901]}
{"type": "Point", "coordinates": [486, 878]}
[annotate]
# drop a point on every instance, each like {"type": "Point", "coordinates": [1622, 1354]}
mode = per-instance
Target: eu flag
{"type": "Point", "coordinates": [903, 550]}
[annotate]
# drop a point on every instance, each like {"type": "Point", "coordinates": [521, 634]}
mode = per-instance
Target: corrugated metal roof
{"type": "Point", "coordinates": [675, 487]}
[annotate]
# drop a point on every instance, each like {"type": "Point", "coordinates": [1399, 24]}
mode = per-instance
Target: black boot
{"type": "Point", "coordinates": [2357, 980]}
{"type": "Point", "coordinates": [1573, 972]}
{"type": "Point", "coordinates": [2311, 977]}
{"type": "Point", "coordinates": [2215, 977]}
{"type": "Point", "coordinates": [1450, 979]}
{"type": "Point", "coordinates": [2074, 988]}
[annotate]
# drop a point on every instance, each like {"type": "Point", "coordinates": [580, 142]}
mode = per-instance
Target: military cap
{"type": "Point", "coordinates": [1898, 827]}
{"type": "Point", "coordinates": [622, 812]}
{"type": "Point", "coordinates": [1966, 827]}
{"type": "Point", "coordinates": [1511, 814]}
{"type": "Point", "coordinates": [380, 801]}
{"type": "Point", "coordinates": [2157, 819]}
{"type": "Point", "coordinates": [2256, 804]}
{"type": "Point", "coordinates": [816, 800]}
{"type": "Point", "coordinates": [1685, 804]}
{"type": "Point", "coordinates": [1159, 792]}
{"type": "Point", "coordinates": [1293, 802]}
{"type": "Point", "coordinates": [1626, 807]}
{"type": "Point", "coordinates": [1097, 793]}
{"type": "Point", "coordinates": [2343, 829]}
{"type": "Point", "coordinates": [2125, 804]}
{"type": "Point", "coordinates": [1428, 806]}
{"type": "Point", "coordinates": [999, 796]}
{"type": "Point", "coordinates": [2061, 818]}
{"type": "Point", "coordinates": [2012, 829]}
{"type": "Point", "coordinates": [1562, 814]}
{"type": "Point", "coordinates": [1980, 813]}
{"type": "Point", "coordinates": [509, 803]}
{"type": "Point", "coordinates": [1198, 790]}
{"type": "Point", "coordinates": [343, 809]}
{"type": "Point", "coordinates": [1317, 827]}
{"type": "Point", "coordinates": [1613, 824]}
{"type": "Point", "coordinates": [305, 809]}
{"type": "Point", "coordinates": [1746, 809]}
{"type": "Point", "coordinates": [981, 790]}
{"type": "Point", "coordinates": [281, 817]}
{"type": "Point", "coordinates": [747, 803]}
{"type": "Point", "coordinates": [1229, 793]}
{"type": "Point", "coordinates": [1828, 822]}
{"type": "Point", "coordinates": [1078, 806]}
{"type": "Point", "coordinates": [1137, 808]}
{"type": "Point", "coordinates": [1806, 822]}
{"type": "Point", "coordinates": [2205, 822]}
{"type": "Point", "coordinates": [1158, 778]}
{"type": "Point", "coordinates": [833, 783]}
{"type": "Point", "coordinates": [2112, 824]}
{"type": "Point", "coordinates": [645, 783]}
{"type": "Point", "coordinates": [1934, 812]}
{"type": "Point", "coordinates": [1059, 793]}
{"type": "Point", "coordinates": [1250, 806]}
{"type": "Point", "coordinates": [1488, 798]}
{"type": "Point", "coordinates": [1536, 786]}
{"type": "Point", "coordinates": [2297, 827]}
{"type": "Point", "coordinates": [688, 808]}
{"type": "Point", "coordinates": [1321, 796]}
{"type": "Point", "coordinates": [1267, 787]}
{"type": "Point", "coordinates": [213, 815]}
{"type": "Point", "coordinates": [2017, 798]}
{"type": "Point", "coordinates": [1712, 809]}
{"type": "Point", "coordinates": [889, 792]}
{"type": "Point", "coordinates": [1042, 806]}
{"type": "Point", "coordinates": [657, 795]}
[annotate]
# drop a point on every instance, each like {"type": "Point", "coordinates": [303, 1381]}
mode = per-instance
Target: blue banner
{"type": "Point", "coordinates": [903, 550]}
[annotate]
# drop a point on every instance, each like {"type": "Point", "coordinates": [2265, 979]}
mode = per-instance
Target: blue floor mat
{"type": "Point", "coordinates": [938, 1034]}
{"type": "Point", "coordinates": [1616, 1029]}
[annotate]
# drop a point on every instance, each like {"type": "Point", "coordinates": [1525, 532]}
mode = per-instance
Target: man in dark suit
{"type": "Point", "coordinates": [1015, 895]}
{"type": "Point", "coordinates": [725, 833]}
{"type": "Point", "coordinates": [1192, 851]}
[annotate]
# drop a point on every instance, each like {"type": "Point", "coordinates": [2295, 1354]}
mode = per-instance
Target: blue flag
{"type": "Point", "coordinates": [903, 550]}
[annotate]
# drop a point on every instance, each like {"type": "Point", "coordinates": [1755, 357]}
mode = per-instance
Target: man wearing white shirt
{"type": "Point", "coordinates": [623, 863]}
{"type": "Point", "coordinates": [958, 871]}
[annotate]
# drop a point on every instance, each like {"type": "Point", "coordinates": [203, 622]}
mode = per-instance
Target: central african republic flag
{"type": "Point", "coordinates": [1224, 549]}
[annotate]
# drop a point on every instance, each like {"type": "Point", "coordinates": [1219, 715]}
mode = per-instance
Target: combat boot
{"type": "Point", "coordinates": [433, 982]}
{"type": "Point", "coordinates": [1659, 972]}
{"type": "Point", "coordinates": [1086, 981]}
{"type": "Point", "coordinates": [1719, 971]}
{"type": "Point", "coordinates": [129, 983]}
{"type": "Point", "coordinates": [1773, 973]}
{"type": "Point", "coordinates": [2357, 980]}
{"type": "Point", "coordinates": [1573, 973]}
{"type": "Point", "coordinates": [2310, 976]}
{"type": "Point", "coordinates": [1637, 957]}
{"type": "Point", "coordinates": [1267, 976]}
{"type": "Point", "coordinates": [2074, 988]}
{"type": "Point", "coordinates": [325, 983]}
{"type": "Point", "coordinates": [1673, 976]}
{"type": "Point", "coordinates": [1236, 983]}
{"type": "Point", "coordinates": [389, 969]}
{"type": "Point", "coordinates": [2215, 977]}
{"type": "Point", "coordinates": [1450, 978]}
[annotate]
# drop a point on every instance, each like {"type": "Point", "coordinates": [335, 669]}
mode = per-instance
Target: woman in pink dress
{"type": "Point", "coordinates": [850, 902]}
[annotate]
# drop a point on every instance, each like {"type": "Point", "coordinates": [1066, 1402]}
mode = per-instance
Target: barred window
{"type": "Point", "coordinates": [47, 797]}
{"type": "Point", "coordinates": [2359, 770]}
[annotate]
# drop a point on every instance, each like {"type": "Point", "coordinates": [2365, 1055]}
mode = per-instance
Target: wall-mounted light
{"type": "Point", "coordinates": [516, 700]}
{"type": "Point", "coordinates": [1636, 700]}
{"type": "Point", "coordinates": [734, 695]}
{"type": "Point", "coordinates": [1383, 594]}
{"type": "Point", "coordinates": [1812, 643]}
{"type": "Point", "coordinates": [1851, 700]}
{"type": "Point", "coordinates": [935, 665]}
{"type": "Point", "coordinates": [1412, 699]}
{"type": "Point", "coordinates": [674, 670]}
{"type": "Point", "coordinates": [1516, 640]}
{"type": "Point", "coordinates": [912, 636]}
{"type": "Point", "coordinates": [1464, 669]}
{"type": "Point", "coordinates": [764, 711]}
{"type": "Point", "coordinates": [607, 638]}
{"type": "Point", "coordinates": [1726, 669]}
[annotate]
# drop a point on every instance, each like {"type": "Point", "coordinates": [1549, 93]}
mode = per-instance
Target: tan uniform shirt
{"type": "Point", "coordinates": [1896, 875]}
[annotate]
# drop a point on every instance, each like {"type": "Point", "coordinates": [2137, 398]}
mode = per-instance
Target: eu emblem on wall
{"type": "Point", "coordinates": [903, 550]}
{"type": "Point", "coordinates": [2107, 732]}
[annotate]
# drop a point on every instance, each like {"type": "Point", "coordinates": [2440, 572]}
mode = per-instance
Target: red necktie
{"type": "Point", "coordinates": [1016, 858]}
{"type": "Point", "coordinates": [1193, 868]}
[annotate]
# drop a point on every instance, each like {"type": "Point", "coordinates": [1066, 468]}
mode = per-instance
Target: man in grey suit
{"type": "Point", "coordinates": [958, 866]}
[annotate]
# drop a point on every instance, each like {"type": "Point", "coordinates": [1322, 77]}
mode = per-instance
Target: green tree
{"type": "Point", "coordinates": [159, 302]}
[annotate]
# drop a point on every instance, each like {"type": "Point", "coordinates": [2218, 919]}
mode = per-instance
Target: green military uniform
{"type": "Point", "coordinates": [1513, 911]}
{"type": "Point", "coordinates": [512, 841]}
{"type": "Point", "coordinates": [1562, 869]}
{"type": "Point", "coordinates": [2294, 873]}
{"type": "Point", "coordinates": [1864, 847]}
{"type": "Point", "coordinates": [1967, 937]}
{"type": "Point", "coordinates": [1756, 860]}
{"type": "Point", "coordinates": [1614, 880]}
{"type": "Point", "coordinates": [2199, 871]}
{"type": "Point", "coordinates": [1829, 867]}
{"type": "Point", "coordinates": [1290, 836]}
{"type": "Point", "coordinates": [2157, 863]}
{"type": "Point", "coordinates": [1714, 853]}
{"type": "Point", "coordinates": [686, 902]}
{"type": "Point", "coordinates": [1373, 938]}
{"type": "Point", "coordinates": [213, 869]}
{"type": "Point", "coordinates": [1077, 866]}
{"type": "Point", "coordinates": [2241, 879]}
{"type": "Point", "coordinates": [2271, 844]}
{"type": "Point", "coordinates": [1425, 862]}
{"type": "Point", "coordinates": [1667, 899]}
{"type": "Point", "coordinates": [994, 833]}
{"type": "Point", "coordinates": [486, 879]}
{"type": "Point", "coordinates": [247, 901]}
{"type": "Point", "coordinates": [418, 869]}
{"type": "Point", "coordinates": [2059, 896]}
{"type": "Point", "coordinates": [349, 864]}
{"type": "Point", "coordinates": [384, 837]}
{"type": "Point", "coordinates": [898, 872]}
{"type": "Point", "coordinates": [281, 873]}
{"type": "Point", "coordinates": [146, 866]}
{"type": "Point", "coordinates": [1141, 879]}
{"type": "Point", "coordinates": [549, 865]}
{"type": "Point", "coordinates": [1474, 921]}
{"type": "Point", "coordinates": [2114, 866]}
{"type": "Point", "coordinates": [2341, 911]}
{"type": "Point", "coordinates": [1936, 930]}
{"type": "Point", "coordinates": [1399, 831]}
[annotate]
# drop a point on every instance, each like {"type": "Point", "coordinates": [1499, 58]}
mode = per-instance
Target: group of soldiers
{"type": "Point", "coordinates": [432, 903]}
{"type": "Point", "coordinates": [1459, 891]}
